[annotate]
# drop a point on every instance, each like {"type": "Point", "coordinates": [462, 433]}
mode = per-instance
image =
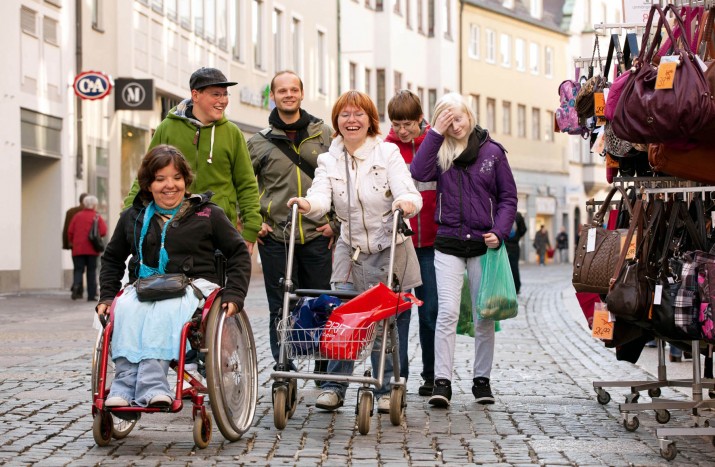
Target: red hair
{"type": "Point", "coordinates": [361, 100]}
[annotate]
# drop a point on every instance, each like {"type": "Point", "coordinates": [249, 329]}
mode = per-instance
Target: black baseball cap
{"type": "Point", "coordinates": [204, 77]}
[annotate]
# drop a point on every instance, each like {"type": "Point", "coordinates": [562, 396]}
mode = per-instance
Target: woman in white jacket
{"type": "Point", "coordinates": [365, 179]}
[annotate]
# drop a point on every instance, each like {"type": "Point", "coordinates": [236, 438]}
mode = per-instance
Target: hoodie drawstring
{"type": "Point", "coordinates": [211, 148]}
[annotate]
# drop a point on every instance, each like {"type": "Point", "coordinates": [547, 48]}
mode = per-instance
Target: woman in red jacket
{"type": "Point", "coordinates": [84, 256]}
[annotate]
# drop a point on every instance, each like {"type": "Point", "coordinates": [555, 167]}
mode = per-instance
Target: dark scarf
{"type": "Point", "coordinates": [471, 152]}
{"type": "Point", "coordinates": [275, 120]}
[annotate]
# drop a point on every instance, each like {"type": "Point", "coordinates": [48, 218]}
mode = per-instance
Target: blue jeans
{"type": "Point", "coordinates": [312, 264]}
{"type": "Point", "coordinates": [88, 262]}
{"type": "Point", "coordinates": [427, 292]}
{"type": "Point", "coordinates": [344, 367]}
{"type": "Point", "coordinates": [139, 382]}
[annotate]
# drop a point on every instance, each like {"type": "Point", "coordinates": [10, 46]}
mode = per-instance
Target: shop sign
{"type": "Point", "coordinates": [545, 205]}
{"type": "Point", "coordinates": [133, 94]}
{"type": "Point", "coordinates": [92, 85]}
{"type": "Point", "coordinates": [636, 11]}
{"type": "Point", "coordinates": [255, 98]}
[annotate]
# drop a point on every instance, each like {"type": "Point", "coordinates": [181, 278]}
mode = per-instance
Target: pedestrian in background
{"type": "Point", "coordinates": [66, 245]}
{"type": "Point", "coordinates": [284, 157]}
{"type": "Point", "coordinates": [215, 149]}
{"type": "Point", "coordinates": [365, 179]}
{"type": "Point", "coordinates": [562, 244]}
{"type": "Point", "coordinates": [84, 256]}
{"type": "Point", "coordinates": [408, 131]}
{"type": "Point", "coordinates": [477, 206]}
{"type": "Point", "coordinates": [513, 248]}
{"type": "Point", "coordinates": [541, 243]}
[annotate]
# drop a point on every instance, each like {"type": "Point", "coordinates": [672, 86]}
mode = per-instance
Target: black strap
{"type": "Point", "coordinates": [614, 47]}
{"type": "Point", "coordinates": [302, 164]}
{"type": "Point", "coordinates": [630, 50]}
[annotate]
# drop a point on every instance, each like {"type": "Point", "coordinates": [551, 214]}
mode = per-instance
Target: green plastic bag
{"type": "Point", "coordinates": [497, 294]}
{"type": "Point", "coordinates": [465, 323]}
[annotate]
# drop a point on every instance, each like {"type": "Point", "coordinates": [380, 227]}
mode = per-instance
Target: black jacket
{"type": "Point", "coordinates": [195, 233]}
{"type": "Point", "coordinates": [518, 231]}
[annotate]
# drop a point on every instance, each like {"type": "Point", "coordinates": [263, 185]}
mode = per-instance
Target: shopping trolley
{"type": "Point", "coordinates": [341, 339]}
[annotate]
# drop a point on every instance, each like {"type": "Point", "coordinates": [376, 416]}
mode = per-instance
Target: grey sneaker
{"type": "Point", "coordinates": [383, 404]}
{"type": "Point", "coordinates": [442, 393]}
{"type": "Point", "coordinates": [329, 400]}
{"type": "Point", "coordinates": [482, 391]}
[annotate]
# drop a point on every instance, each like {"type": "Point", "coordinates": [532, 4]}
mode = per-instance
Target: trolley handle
{"type": "Point", "coordinates": [401, 225]}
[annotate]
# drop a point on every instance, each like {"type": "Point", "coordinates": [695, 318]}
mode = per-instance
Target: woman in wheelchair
{"type": "Point", "coordinates": [166, 230]}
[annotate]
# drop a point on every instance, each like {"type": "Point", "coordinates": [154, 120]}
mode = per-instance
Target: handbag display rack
{"type": "Point", "coordinates": [703, 424]}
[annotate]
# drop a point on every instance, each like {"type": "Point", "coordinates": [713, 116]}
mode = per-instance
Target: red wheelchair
{"type": "Point", "coordinates": [231, 377]}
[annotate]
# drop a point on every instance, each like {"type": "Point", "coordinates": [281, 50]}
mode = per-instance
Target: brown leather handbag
{"type": "Point", "coordinates": [648, 115]}
{"type": "Point", "coordinates": [697, 164]}
{"type": "Point", "coordinates": [592, 270]}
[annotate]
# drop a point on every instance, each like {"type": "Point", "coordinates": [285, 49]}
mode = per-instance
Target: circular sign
{"type": "Point", "coordinates": [92, 85]}
{"type": "Point", "coordinates": [133, 94]}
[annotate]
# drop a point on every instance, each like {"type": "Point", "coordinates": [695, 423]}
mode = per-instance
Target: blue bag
{"type": "Point", "coordinates": [307, 320]}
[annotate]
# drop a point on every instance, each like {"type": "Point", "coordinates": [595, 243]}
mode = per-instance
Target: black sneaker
{"type": "Point", "coordinates": [441, 393]}
{"type": "Point", "coordinates": [426, 388]}
{"type": "Point", "coordinates": [482, 391]}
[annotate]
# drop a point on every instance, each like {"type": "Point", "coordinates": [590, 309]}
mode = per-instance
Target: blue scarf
{"type": "Point", "coordinates": [144, 270]}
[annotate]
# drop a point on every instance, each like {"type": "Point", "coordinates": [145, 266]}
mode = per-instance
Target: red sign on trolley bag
{"type": "Point", "coordinates": [350, 330]}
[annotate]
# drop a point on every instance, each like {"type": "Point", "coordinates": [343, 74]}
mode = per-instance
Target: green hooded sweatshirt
{"type": "Point", "coordinates": [219, 158]}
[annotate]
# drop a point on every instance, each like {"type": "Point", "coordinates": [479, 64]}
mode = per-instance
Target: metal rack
{"type": "Point", "coordinates": [667, 187]}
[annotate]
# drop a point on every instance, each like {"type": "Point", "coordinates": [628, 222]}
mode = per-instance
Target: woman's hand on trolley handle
{"type": "Point", "coordinates": [407, 207]}
{"type": "Point", "coordinates": [303, 204]}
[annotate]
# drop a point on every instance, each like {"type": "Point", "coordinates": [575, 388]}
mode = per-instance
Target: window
{"type": "Point", "coordinates": [185, 13]}
{"type": "Point", "coordinates": [210, 20]}
{"type": "Point", "coordinates": [28, 21]}
{"type": "Point", "coordinates": [534, 58]}
{"type": "Point", "coordinates": [381, 94]}
{"type": "Point", "coordinates": [519, 54]}
{"type": "Point", "coordinates": [49, 30]}
{"type": "Point", "coordinates": [421, 95]}
{"type": "Point", "coordinates": [398, 81]}
{"type": "Point", "coordinates": [368, 82]}
{"type": "Point", "coordinates": [378, 5]}
{"type": "Point", "coordinates": [432, 99]}
{"type": "Point", "coordinates": [473, 50]}
{"type": "Point", "coordinates": [491, 115]}
{"type": "Point", "coordinates": [508, 4]}
{"type": "Point", "coordinates": [278, 39]}
{"type": "Point", "coordinates": [549, 133]}
{"type": "Point", "coordinates": [297, 40]}
{"type": "Point", "coordinates": [430, 18]}
{"type": "Point", "coordinates": [397, 7]}
{"type": "Point", "coordinates": [521, 121]}
{"type": "Point", "coordinates": [198, 14]}
{"type": "Point", "coordinates": [222, 24]}
{"type": "Point", "coordinates": [448, 20]}
{"type": "Point", "coordinates": [506, 117]}
{"type": "Point", "coordinates": [257, 33]}
{"type": "Point", "coordinates": [420, 16]}
{"type": "Point", "coordinates": [408, 13]}
{"type": "Point", "coordinates": [536, 123]}
{"type": "Point", "coordinates": [491, 46]}
{"type": "Point", "coordinates": [474, 104]}
{"type": "Point", "coordinates": [548, 62]}
{"type": "Point", "coordinates": [170, 9]}
{"type": "Point", "coordinates": [353, 76]}
{"type": "Point", "coordinates": [236, 47]}
{"type": "Point", "coordinates": [96, 12]}
{"type": "Point", "coordinates": [157, 5]}
{"type": "Point", "coordinates": [505, 50]}
{"type": "Point", "coordinates": [535, 8]}
{"type": "Point", "coordinates": [322, 63]}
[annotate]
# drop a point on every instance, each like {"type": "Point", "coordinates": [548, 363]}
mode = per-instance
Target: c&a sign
{"type": "Point", "coordinates": [92, 85]}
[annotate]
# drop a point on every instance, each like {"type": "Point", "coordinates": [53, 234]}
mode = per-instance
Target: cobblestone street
{"type": "Point", "coordinates": [545, 413]}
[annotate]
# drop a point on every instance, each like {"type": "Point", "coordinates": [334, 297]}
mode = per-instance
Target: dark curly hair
{"type": "Point", "coordinates": [156, 159]}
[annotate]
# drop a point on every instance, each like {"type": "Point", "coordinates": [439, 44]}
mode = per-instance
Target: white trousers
{"type": "Point", "coordinates": [450, 277]}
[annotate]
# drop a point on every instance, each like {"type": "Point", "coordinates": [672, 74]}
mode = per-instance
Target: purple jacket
{"type": "Point", "coordinates": [477, 195]}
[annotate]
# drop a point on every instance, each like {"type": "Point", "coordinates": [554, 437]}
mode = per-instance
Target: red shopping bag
{"type": "Point", "coordinates": [350, 329]}
{"type": "Point", "coordinates": [588, 301]}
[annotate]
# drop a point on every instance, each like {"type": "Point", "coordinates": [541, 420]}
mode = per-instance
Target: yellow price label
{"type": "Point", "coordinates": [666, 75]}
{"type": "Point", "coordinates": [602, 327]}
{"type": "Point", "coordinates": [599, 104]}
{"type": "Point", "coordinates": [611, 163]}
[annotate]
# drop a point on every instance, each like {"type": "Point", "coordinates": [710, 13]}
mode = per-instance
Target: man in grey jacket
{"type": "Point", "coordinates": [284, 157]}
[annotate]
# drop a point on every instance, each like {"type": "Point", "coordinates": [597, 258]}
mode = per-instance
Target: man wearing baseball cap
{"type": "Point", "coordinates": [215, 148]}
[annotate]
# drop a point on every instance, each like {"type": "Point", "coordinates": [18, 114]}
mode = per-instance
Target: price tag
{"type": "Point", "coordinates": [591, 240]}
{"type": "Point", "coordinates": [599, 104]}
{"type": "Point", "coordinates": [666, 75]}
{"type": "Point", "coordinates": [658, 294]}
{"type": "Point", "coordinates": [631, 252]}
{"type": "Point", "coordinates": [602, 323]}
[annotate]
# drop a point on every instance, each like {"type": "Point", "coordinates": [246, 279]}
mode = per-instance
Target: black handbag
{"type": "Point", "coordinates": [161, 287]}
{"type": "Point", "coordinates": [94, 238]}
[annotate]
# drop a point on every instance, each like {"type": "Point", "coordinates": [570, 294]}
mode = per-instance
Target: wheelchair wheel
{"type": "Point", "coordinates": [231, 371]}
{"type": "Point", "coordinates": [102, 428]}
{"type": "Point", "coordinates": [120, 428]}
{"type": "Point", "coordinates": [202, 431]}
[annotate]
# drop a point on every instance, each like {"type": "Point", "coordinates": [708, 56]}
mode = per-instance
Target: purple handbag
{"type": "Point", "coordinates": [646, 115]}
